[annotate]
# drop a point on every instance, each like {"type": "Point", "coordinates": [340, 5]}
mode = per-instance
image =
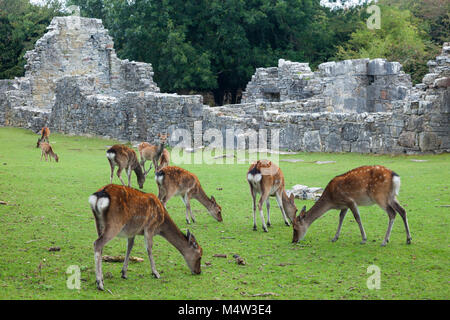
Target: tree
{"type": "Point", "coordinates": [215, 44]}
{"type": "Point", "coordinates": [400, 38]}
{"type": "Point", "coordinates": [21, 24]}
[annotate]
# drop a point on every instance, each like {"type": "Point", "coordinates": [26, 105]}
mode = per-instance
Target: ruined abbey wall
{"type": "Point", "coordinates": [75, 84]}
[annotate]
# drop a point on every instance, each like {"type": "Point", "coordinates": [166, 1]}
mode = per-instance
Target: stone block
{"type": "Point", "coordinates": [407, 139]}
{"type": "Point", "coordinates": [428, 141]}
{"type": "Point", "coordinates": [312, 141]}
{"type": "Point", "coordinates": [381, 67]}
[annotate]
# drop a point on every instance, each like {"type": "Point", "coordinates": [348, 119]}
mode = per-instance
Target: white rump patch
{"type": "Point", "coordinates": [254, 178]}
{"type": "Point", "coordinates": [159, 179]}
{"type": "Point", "coordinates": [102, 204]}
{"type": "Point", "coordinates": [396, 185]}
{"type": "Point", "coordinates": [110, 155]}
{"type": "Point", "coordinates": [93, 201]}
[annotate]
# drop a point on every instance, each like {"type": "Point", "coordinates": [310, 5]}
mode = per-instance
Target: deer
{"type": "Point", "coordinates": [362, 186]}
{"type": "Point", "coordinates": [45, 133]}
{"type": "Point", "coordinates": [164, 160]}
{"type": "Point", "coordinates": [153, 153]}
{"type": "Point", "coordinates": [47, 151]}
{"type": "Point", "coordinates": [126, 212]}
{"type": "Point", "coordinates": [266, 178]}
{"type": "Point", "coordinates": [125, 158]}
{"type": "Point", "coordinates": [174, 180]}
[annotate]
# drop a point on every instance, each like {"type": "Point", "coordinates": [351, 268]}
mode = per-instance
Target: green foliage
{"type": "Point", "coordinates": [400, 38]}
{"type": "Point", "coordinates": [47, 206]}
{"type": "Point", "coordinates": [21, 24]}
{"type": "Point", "coordinates": [216, 45]}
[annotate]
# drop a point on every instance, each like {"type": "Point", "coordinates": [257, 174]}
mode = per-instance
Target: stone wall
{"type": "Point", "coordinates": [75, 84]}
{"type": "Point", "coordinates": [75, 46]}
{"type": "Point", "coordinates": [132, 116]}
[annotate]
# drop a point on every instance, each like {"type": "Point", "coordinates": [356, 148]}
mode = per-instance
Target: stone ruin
{"type": "Point", "coordinates": [75, 84]}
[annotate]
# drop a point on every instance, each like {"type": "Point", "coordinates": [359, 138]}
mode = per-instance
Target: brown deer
{"type": "Point", "coordinates": [125, 158]}
{"type": "Point", "coordinates": [174, 181]}
{"type": "Point", "coordinates": [126, 212]}
{"type": "Point", "coordinates": [153, 153]}
{"type": "Point", "coordinates": [362, 186]}
{"type": "Point", "coordinates": [45, 133]}
{"type": "Point", "coordinates": [266, 178]}
{"type": "Point", "coordinates": [164, 160]}
{"type": "Point", "coordinates": [47, 151]}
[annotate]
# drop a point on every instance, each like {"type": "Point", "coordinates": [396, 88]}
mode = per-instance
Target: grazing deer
{"type": "Point", "coordinates": [362, 186]}
{"type": "Point", "coordinates": [174, 181]}
{"type": "Point", "coordinates": [266, 178]}
{"type": "Point", "coordinates": [126, 212]}
{"type": "Point", "coordinates": [45, 133]}
{"type": "Point", "coordinates": [153, 153]}
{"type": "Point", "coordinates": [47, 151]}
{"type": "Point", "coordinates": [125, 158]}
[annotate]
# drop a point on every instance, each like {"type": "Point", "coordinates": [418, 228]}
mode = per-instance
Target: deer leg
{"type": "Point", "coordinates": [149, 244]}
{"type": "Point", "coordinates": [355, 212]}
{"type": "Point", "coordinates": [42, 154]}
{"type": "Point", "coordinates": [98, 249]}
{"type": "Point", "coordinates": [119, 172]}
{"type": "Point", "coordinates": [397, 207]}
{"type": "Point", "coordinates": [127, 257]}
{"type": "Point", "coordinates": [188, 206]}
{"type": "Point", "coordinates": [264, 196]}
{"type": "Point", "coordinates": [129, 175]}
{"type": "Point", "coordinates": [254, 207]}
{"type": "Point", "coordinates": [391, 213]}
{"type": "Point", "coordinates": [341, 219]}
{"type": "Point", "coordinates": [280, 205]}
{"type": "Point", "coordinates": [112, 171]}
{"type": "Point", "coordinates": [268, 212]}
{"type": "Point", "coordinates": [186, 202]}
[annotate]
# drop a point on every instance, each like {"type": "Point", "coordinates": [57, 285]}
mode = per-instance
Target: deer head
{"type": "Point", "coordinates": [299, 226]}
{"type": "Point", "coordinates": [215, 210]}
{"type": "Point", "coordinates": [193, 255]}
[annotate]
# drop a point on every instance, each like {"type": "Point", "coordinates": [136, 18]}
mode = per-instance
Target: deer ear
{"type": "Point", "coordinates": [213, 199]}
{"type": "Point", "coordinates": [303, 212]}
{"type": "Point", "coordinates": [291, 197]}
{"type": "Point", "coordinates": [191, 239]}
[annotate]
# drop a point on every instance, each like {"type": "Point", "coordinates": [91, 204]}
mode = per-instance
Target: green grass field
{"type": "Point", "coordinates": [47, 206]}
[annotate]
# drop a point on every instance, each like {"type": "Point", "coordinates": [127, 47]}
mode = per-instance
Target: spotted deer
{"type": "Point", "coordinates": [154, 153]}
{"type": "Point", "coordinates": [362, 186]}
{"type": "Point", "coordinates": [267, 179]}
{"type": "Point", "coordinates": [45, 133]}
{"type": "Point", "coordinates": [47, 151]}
{"type": "Point", "coordinates": [125, 158]}
{"type": "Point", "coordinates": [126, 212]}
{"type": "Point", "coordinates": [174, 181]}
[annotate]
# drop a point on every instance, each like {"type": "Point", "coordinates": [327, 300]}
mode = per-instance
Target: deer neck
{"type": "Point", "coordinates": [160, 149]}
{"type": "Point", "coordinates": [201, 196]}
{"type": "Point", "coordinates": [317, 210]}
{"type": "Point", "coordinates": [173, 235]}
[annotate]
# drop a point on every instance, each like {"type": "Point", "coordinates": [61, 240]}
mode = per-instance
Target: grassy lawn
{"type": "Point", "coordinates": [47, 206]}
